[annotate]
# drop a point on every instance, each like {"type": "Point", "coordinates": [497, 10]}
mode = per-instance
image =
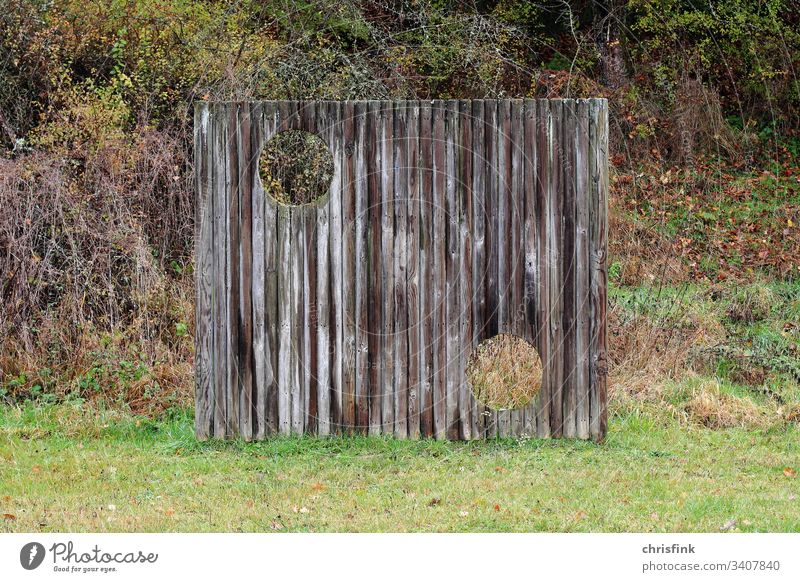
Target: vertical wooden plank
{"type": "Point", "coordinates": [310, 319]}
{"type": "Point", "coordinates": [598, 152]}
{"type": "Point", "coordinates": [338, 146]}
{"type": "Point", "coordinates": [348, 268]}
{"type": "Point", "coordinates": [245, 307]}
{"type": "Point", "coordinates": [465, 222]}
{"type": "Point", "coordinates": [531, 249]}
{"type": "Point", "coordinates": [478, 227]}
{"type": "Point", "coordinates": [400, 272]}
{"type": "Point", "coordinates": [284, 294]}
{"type": "Point", "coordinates": [517, 255]}
{"type": "Point", "coordinates": [220, 234]}
{"type": "Point", "coordinates": [426, 250]}
{"type": "Point", "coordinates": [582, 304]}
{"type": "Point", "coordinates": [287, 353]}
{"type": "Point", "coordinates": [387, 265]}
{"type": "Point", "coordinates": [412, 269]}
{"type": "Point", "coordinates": [258, 284]}
{"type": "Point", "coordinates": [567, 132]}
{"type": "Point", "coordinates": [504, 242]}
{"type": "Point", "coordinates": [308, 297]}
{"type": "Point", "coordinates": [375, 299]}
{"type": "Point", "coordinates": [361, 269]}
{"type": "Point", "coordinates": [554, 237]}
{"type": "Point", "coordinates": [204, 274]}
{"type": "Point", "coordinates": [452, 274]}
{"type": "Point", "coordinates": [232, 271]}
{"type": "Point", "coordinates": [269, 124]}
{"type": "Point", "coordinates": [438, 268]}
{"type": "Point", "coordinates": [328, 130]}
{"type": "Point", "coordinates": [298, 328]}
{"type": "Point", "coordinates": [543, 217]}
{"type": "Point", "coordinates": [491, 135]}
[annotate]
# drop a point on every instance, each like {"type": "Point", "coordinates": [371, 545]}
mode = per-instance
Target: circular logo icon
{"type": "Point", "coordinates": [31, 555]}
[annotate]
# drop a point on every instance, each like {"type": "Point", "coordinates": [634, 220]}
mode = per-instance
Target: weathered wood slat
{"type": "Point", "coordinates": [262, 365]}
{"type": "Point", "coordinates": [532, 323]}
{"type": "Point", "coordinates": [400, 269]}
{"type": "Point", "coordinates": [598, 219]}
{"type": "Point", "coordinates": [204, 277]}
{"type": "Point", "coordinates": [465, 221]}
{"type": "Point", "coordinates": [220, 327]}
{"type": "Point", "coordinates": [568, 293]}
{"type": "Point", "coordinates": [323, 313]}
{"type": "Point", "coordinates": [445, 224]}
{"type": "Point", "coordinates": [426, 250]}
{"type": "Point", "coordinates": [504, 240]}
{"type": "Point", "coordinates": [478, 299]}
{"type": "Point", "coordinates": [554, 251]}
{"type": "Point", "coordinates": [361, 268]}
{"type": "Point", "coordinates": [245, 271]}
{"type": "Point", "coordinates": [335, 233]}
{"type": "Point", "coordinates": [542, 165]}
{"type": "Point", "coordinates": [387, 267]}
{"type": "Point", "coordinates": [412, 269]}
{"type": "Point", "coordinates": [437, 293]}
{"type": "Point", "coordinates": [349, 268]}
{"type": "Point", "coordinates": [491, 329]}
{"type": "Point", "coordinates": [269, 123]}
{"type": "Point", "coordinates": [452, 275]}
{"type": "Point", "coordinates": [517, 249]}
{"type": "Point", "coordinates": [375, 292]}
{"type": "Point", "coordinates": [582, 302]}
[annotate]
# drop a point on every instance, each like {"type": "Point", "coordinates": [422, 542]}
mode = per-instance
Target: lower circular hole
{"type": "Point", "coordinates": [505, 372]}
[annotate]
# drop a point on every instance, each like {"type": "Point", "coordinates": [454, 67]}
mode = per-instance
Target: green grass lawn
{"type": "Point", "coordinates": [72, 467]}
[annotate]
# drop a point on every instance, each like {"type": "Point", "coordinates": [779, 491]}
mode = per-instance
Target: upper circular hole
{"type": "Point", "coordinates": [505, 372]}
{"type": "Point", "coordinates": [296, 167]}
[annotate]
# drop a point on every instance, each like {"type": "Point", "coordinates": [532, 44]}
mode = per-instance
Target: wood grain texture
{"type": "Point", "coordinates": [445, 223]}
{"type": "Point", "coordinates": [204, 273]}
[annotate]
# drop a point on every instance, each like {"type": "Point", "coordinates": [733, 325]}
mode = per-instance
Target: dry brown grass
{"type": "Point", "coordinates": [505, 372]}
{"type": "Point", "coordinates": [712, 408]}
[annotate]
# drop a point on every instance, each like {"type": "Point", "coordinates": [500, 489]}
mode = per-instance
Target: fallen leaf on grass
{"type": "Point", "coordinates": [497, 507]}
{"type": "Point", "coordinates": [169, 512]}
{"type": "Point", "coordinates": [318, 487]}
{"type": "Point", "coordinates": [434, 502]}
{"type": "Point", "coordinates": [36, 469]}
{"type": "Point", "coordinates": [789, 472]}
{"type": "Point", "coordinates": [581, 515]}
{"type": "Point", "coordinates": [9, 516]}
{"type": "Point", "coordinates": [500, 469]}
{"type": "Point", "coordinates": [729, 525]}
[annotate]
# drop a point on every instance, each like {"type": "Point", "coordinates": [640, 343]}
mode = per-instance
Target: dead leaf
{"type": "Point", "coordinates": [789, 472]}
{"type": "Point", "coordinates": [581, 515]}
{"type": "Point", "coordinates": [318, 487]}
{"type": "Point", "coordinates": [9, 516]}
{"type": "Point", "coordinates": [500, 469]}
{"type": "Point", "coordinates": [729, 525]}
{"type": "Point", "coordinates": [434, 502]}
{"type": "Point", "coordinates": [169, 512]}
{"type": "Point", "coordinates": [497, 507]}
{"type": "Point", "coordinates": [36, 469]}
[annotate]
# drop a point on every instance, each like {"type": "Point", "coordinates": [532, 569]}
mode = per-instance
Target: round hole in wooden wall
{"type": "Point", "coordinates": [505, 372]}
{"type": "Point", "coordinates": [296, 167]}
